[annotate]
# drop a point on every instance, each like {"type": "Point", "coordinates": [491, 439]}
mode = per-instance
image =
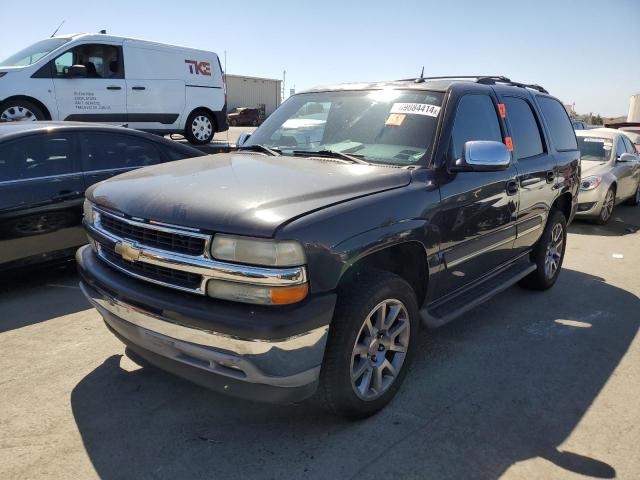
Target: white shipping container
{"type": "Point", "coordinates": [253, 92]}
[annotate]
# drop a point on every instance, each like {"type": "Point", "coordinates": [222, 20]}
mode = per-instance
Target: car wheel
{"type": "Point", "coordinates": [200, 128]}
{"type": "Point", "coordinates": [635, 200]}
{"type": "Point", "coordinates": [548, 253]}
{"type": "Point", "coordinates": [20, 111]}
{"type": "Point", "coordinates": [606, 212]}
{"type": "Point", "coordinates": [233, 123]}
{"type": "Point", "coordinates": [371, 341]}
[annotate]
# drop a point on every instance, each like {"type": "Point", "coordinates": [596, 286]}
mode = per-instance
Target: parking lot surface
{"type": "Point", "coordinates": [529, 385]}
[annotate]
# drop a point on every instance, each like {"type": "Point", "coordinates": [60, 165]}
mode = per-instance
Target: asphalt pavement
{"type": "Point", "coordinates": [530, 385]}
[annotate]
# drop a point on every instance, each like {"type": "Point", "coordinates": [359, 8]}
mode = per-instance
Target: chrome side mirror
{"type": "Point", "coordinates": [483, 156]}
{"type": "Point", "coordinates": [627, 157]}
{"type": "Point", "coordinates": [244, 136]}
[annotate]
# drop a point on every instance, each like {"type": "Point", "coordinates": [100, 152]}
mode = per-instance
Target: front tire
{"type": "Point", "coordinates": [606, 212]}
{"type": "Point", "coordinates": [200, 128]}
{"type": "Point", "coordinates": [370, 345]}
{"type": "Point", "coordinates": [20, 111]}
{"type": "Point", "coordinates": [548, 254]}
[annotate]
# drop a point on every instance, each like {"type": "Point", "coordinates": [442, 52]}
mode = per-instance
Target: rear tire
{"type": "Point", "coordinates": [370, 346]}
{"type": "Point", "coordinates": [20, 111]}
{"type": "Point", "coordinates": [548, 254]}
{"type": "Point", "coordinates": [635, 199]}
{"type": "Point", "coordinates": [200, 127]}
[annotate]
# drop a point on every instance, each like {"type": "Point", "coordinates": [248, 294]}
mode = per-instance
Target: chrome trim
{"type": "Point", "coordinates": [202, 265]}
{"type": "Point", "coordinates": [46, 177]}
{"type": "Point", "coordinates": [480, 252]}
{"type": "Point", "coordinates": [530, 230]}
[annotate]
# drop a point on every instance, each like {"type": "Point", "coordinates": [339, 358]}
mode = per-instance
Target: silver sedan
{"type": "Point", "coordinates": [610, 173]}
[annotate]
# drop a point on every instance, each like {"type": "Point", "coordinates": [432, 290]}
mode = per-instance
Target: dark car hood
{"type": "Point", "coordinates": [243, 193]}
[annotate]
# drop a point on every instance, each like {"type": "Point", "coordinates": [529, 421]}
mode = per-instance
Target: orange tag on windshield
{"type": "Point", "coordinates": [395, 120]}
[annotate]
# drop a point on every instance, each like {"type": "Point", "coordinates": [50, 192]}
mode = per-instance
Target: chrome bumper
{"type": "Point", "coordinates": [289, 362]}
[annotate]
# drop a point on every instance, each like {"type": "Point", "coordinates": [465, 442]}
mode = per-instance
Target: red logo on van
{"type": "Point", "coordinates": [199, 68]}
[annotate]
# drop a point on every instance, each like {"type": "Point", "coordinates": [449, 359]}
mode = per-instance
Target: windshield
{"type": "Point", "coordinates": [33, 53]}
{"type": "Point", "coordinates": [379, 126]}
{"type": "Point", "coordinates": [595, 149]}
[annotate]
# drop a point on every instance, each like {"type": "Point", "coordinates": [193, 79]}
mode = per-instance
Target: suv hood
{"type": "Point", "coordinates": [241, 192]}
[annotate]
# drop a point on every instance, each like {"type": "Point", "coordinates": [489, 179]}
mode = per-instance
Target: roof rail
{"type": "Point", "coordinates": [483, 79]}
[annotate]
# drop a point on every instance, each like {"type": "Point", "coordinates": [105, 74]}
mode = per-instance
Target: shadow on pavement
{"type": "Point", "coordinates": [625, 220]}
{"type": "Point", "coordinates": [38, 294]}
{"type": "Point", "coordinates": [508, 382]}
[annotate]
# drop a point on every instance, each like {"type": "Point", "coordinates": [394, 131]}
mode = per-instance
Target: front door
{"type": "Point", "coordinates": [97, 96]}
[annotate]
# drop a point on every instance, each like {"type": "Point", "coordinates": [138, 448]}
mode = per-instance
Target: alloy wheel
{"type": "Point", "coordinates": [17, 113]}
{"type": "Point", "coordinates": [201, 127]}
{"type": "Point", "coordinates": [554, 251]}
{"type": "Point", "coordinates": [380, 349]}
{"type": "Point", "coordinates": [607, 206]}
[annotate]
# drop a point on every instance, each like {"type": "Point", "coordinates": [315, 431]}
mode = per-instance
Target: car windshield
{"type": "Point", "coordinates": [379, 126]}
{"type": "Point", "coordinates": [595, 149]}
{"type": "Point", "coordinates": [33, 53]}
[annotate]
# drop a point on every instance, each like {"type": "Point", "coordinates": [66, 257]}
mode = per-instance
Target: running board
{"type": "Point", "coordinates": [440, 313]}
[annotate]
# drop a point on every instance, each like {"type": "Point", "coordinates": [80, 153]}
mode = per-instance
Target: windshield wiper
{"type": "Point", "coordinates": [256, 147]}
{"type": "Point", "coordinates": [332, 153]}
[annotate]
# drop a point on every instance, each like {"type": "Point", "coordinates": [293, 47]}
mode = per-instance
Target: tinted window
{"type": "Point", "coordinates": [476, 119]}
{"type": "Point", "coordinates": [620, 147]}
{"type": "Point", "coordinates": [524, 128]}
{"type": "Point", "coordinates": [559, 124]}
{"type": "Point", "coordinates": [36, 156]}
{"type": "Point", "coordinates": [107, 151]}
{"type": "Point", "coordinates": [629, 145]}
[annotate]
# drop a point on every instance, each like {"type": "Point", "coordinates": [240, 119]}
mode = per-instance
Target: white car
{"type": "Point", "coordinates": [103, 78]}
{"type": "Point", "coordinates": [610, 173]}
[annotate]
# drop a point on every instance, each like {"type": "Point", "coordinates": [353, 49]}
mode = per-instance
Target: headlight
{"type": "Point", "coordinates": [589, 183]}
{"type": "Point", "coordinates": [256, 251]}
{"type": "Point", "coordinates": [263, 295]}
{"type": "Point", "coordinates": [87, 208]}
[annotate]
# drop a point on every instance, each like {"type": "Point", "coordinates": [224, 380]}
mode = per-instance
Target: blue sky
{"type": "Point", "coordinates": [561, 44]}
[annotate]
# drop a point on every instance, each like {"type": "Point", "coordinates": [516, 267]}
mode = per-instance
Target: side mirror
{"type": "Point", "coordinates": [244, 136]}
{"type": "Point", "coordinates": [627, 157]}
{"type": "Point", "coordinates": [77, 71]}
{"type": "Point", "coordinates": [483, 156]}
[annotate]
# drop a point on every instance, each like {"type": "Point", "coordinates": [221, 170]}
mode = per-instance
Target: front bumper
{"type": "Point", "coordinates": [590, 202]}
{"type": "Point", "coordinates": [259, 353]}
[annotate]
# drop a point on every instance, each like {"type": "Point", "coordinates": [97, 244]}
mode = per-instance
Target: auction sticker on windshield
{"type": "Point", "coordinates": [416, 109]}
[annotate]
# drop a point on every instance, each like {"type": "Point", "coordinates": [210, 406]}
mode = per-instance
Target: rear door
{"type": "Point", "coordinates": [41, 195]}
{"type": "Point", "coordinates": [105, 155]}
{"type": "Point", "coordinates": [100, 95]}
{"type": "Point", "coordinates": [536, 166]}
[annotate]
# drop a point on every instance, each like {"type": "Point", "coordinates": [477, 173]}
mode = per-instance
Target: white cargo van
{"type": "Point", "coordinates": [102, 78]}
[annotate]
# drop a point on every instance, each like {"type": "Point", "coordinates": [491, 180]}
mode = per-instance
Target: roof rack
{"type": "Point", "coordinates": [485, 80]}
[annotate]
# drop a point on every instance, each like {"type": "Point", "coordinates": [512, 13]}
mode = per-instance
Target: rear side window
{"type": "Point", "coordinates": [107, 152]}
{"type": "Point", "coordinates": [562, 134]}
{"type": "Point", "coordinates": [476, 119]}
{"type": "Point", "coordinates": [36, 156]}
{"type": "Point", "coordinates": [524, 128]}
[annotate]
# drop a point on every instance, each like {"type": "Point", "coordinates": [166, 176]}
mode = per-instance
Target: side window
{"type": "Point", "coordinates": [620, 147]}
{"type": "Point", "coordinates": [628, 144]}
{"type": "Point", "coordinates": [104, 151]}
{"type": "Point", "coordinates": [101, 61]}
{"type": "Point", "coordinates": [476, 119]}
{"type": "Point", "coordinates": [562, 134]}
{"type": "Point", "coordinates": [524, 128]}
{"type": "Point", "coordinates": [36, 156]}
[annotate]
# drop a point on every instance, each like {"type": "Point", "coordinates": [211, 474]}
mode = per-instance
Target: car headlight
{"type": "Point", "coordinates": [589, 183]}
{"type": "Point", "coordinates": [89, 214]}
{"type": "Point", "coordinates": [259, 294]}
{"type": "Point", "coordinates": [257, 251]}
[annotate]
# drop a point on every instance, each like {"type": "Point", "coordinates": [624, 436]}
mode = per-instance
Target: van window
{"type": "Point", "coordinates": [101, 61]}
{"type": "Point", "coordinates": [104, 151]}
{"type": "Point", "coordinates": [36, 156]}
{"type": "Point", "coordinates": [33, 53]}
{"type": "Point", "coordinates": [476, 119]}
{"type": "Point", "coordinates": [524, 128]}
{"type": "Point", "coordinates": [560, 128]}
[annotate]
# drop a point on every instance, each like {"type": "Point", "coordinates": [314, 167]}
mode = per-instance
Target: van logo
{"type": "Point", "coordinates": [199, 68]}
{"type": "Point", "coordinates": [127, 251]}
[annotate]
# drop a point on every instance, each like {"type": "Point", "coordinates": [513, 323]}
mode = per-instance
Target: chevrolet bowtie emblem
{"type": "Point", "coordinates": [127, 251]}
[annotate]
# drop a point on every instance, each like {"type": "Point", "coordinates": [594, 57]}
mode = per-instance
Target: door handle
{"type": "Point", "coordinates": [114, 87]}
{"type": "Point", "coordinates": [138, 88]}
{"type": "Point", "coordinates": [550, 176]}
{"type": "Point", "coordinates": [512, 187]}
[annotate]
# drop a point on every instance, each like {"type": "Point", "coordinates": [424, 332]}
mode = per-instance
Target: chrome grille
{"type": "Point", "coordinates": [162, 239]}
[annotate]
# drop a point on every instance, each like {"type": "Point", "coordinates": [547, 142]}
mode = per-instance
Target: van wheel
{"type": "Point", "coordinates": [200, 128]}
{"type": "Point", "coordinates": [548, 253]}
{"type": "Point", "coordinates": [371, 341]}
{"type": "Point", "coordinates": [20, 111]}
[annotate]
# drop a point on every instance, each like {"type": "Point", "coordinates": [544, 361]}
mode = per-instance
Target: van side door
{"type": "Point", "coordinates": [536, 166]}
{"type": "Point", "coordinates": [98, 93]}
{"type": "Point", "coordinates": [478, 209]}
